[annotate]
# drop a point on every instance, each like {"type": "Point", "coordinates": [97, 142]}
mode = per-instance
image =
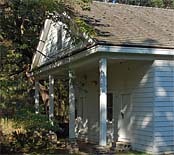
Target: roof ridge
{"type": "Point", "coordinates": [135, 6]}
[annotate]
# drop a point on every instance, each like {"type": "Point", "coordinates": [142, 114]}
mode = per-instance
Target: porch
{"type": "Point", "coordinates": [100, 94]}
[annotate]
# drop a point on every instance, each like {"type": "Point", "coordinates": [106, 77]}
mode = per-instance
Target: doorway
{"type": "Point", "coordinates": [124, 118]}
{"type": "Point", "coordinates": [112, 117]}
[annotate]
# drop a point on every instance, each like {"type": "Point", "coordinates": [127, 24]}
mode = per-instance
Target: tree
{"type": "Point", "coordinates": [21, 23]}
{"type": "Point", "coordinates": [158, 3]}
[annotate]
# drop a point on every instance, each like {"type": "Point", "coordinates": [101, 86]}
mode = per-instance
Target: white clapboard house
{"type": "Point", "coordinates": [121, 82]}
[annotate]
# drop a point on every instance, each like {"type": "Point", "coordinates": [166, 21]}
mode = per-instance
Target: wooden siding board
{"type": "Point", "coordinates": [167, 147]}
{"type": "Point", "coordinates": [164, 129]}
{"type": "Point", "coordinates": [143, 100]}
{"type": "Point", "coordinates": [163, 74]}
{"type": "Point", "coordinates": [163, 104]}
{"type": "Point", "coordinates": [144, 140]}
{"type": "Point", "coordinates": [163, 133]}
{"type": "Point", "coordinates": [164, 98]}
{"type": "Point", "coordinates": [165, 114]}
{"type": "Point", "coordinates": [143, 95]}
{"type": "Point", "coordinates": [142, 133]}
{"type": "Point", "coordinates": [139, 91]}
{"type": "Point", "coordinates": [166, 88]}
{"type": "Point", "coordinates": [164, 143]}
{"type": "Point", "coordinates": [141, 117]}
{"type": "Point", "coordinates": [144, 109]}
{"type": "Point", "coordinates": [145, 104]}
{"type": "Point", "coordinates": [143, 148]}
{"type": "Point", "coordinates": [142, 112]}
{"type": "Point", "coordinates": [164, 107]}
{"type": "Point", "coordinates": [164, 118]}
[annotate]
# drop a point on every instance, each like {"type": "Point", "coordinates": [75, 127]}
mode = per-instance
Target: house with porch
{"type": "Point", "coordinates": [121, 82]}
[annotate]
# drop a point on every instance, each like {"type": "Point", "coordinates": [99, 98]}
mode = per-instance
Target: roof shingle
{"type": "Point", "coordinates": [119, 24]}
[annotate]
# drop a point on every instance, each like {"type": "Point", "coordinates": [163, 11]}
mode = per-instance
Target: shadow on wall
{"type": "Point", "coordinates": [151, 112]}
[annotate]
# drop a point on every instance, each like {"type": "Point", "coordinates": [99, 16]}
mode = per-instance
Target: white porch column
{"type": "Point", "coordinates": [71, 107]}
{"type": "Point", "coordinates": [51, 98]}
{"type": "Point", "coordinates": [36, 97]}
{"type": "Point", "coordinates": [103, 101]}
{"type": "Point", "coordinates": [115, 134]}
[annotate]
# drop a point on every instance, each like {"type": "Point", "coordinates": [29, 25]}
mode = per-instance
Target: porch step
{"type": "Point", "coordinates": [123, 146]}
{"type": "Point", "coordinates": [103, 150]}
{"type": "Point", "coordinates": [94, 149]}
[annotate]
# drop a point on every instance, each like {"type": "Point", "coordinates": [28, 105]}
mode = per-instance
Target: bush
{"type": "Point", "coordinates": [31, 121]}
{"type": "Point", "coordinates": [37, 132]}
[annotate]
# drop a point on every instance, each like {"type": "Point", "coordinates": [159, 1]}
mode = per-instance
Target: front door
{"type": "Point", "coordinates": [124, 118]}
{"type": "Point", "coordinates": [109, 117]}
{"type": "Point", "coordinates": [112, 118]}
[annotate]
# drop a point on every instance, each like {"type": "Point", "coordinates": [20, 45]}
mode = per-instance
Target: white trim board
{"type": "Point", "coordinates": [135, 50]}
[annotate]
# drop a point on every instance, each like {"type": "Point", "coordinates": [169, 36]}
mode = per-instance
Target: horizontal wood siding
{"type": "Point", "coordinates": [142, 113]}
{"type": "Point", "coordinates": [164, 107]}
{"type": "Point", "coordinates": [151, 110]}
{"type": "Point", "coordinates": [88, 111]}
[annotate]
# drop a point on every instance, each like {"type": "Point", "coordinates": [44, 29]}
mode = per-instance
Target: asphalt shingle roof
{"type": "Point", "coordinates": [119, 24]}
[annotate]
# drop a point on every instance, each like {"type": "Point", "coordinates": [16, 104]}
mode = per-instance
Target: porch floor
{"type": "Point", "coordinates": [91, 148]}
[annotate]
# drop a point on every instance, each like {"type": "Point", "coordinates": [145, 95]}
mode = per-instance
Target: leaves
{"type": "Point", "coordinates": [84, 27]}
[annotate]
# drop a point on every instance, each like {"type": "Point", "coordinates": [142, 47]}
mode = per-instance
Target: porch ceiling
{"type": "Point", "coordinates": [94, 64]}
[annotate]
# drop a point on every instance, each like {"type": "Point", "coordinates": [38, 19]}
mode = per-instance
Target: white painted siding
{"type": "Point", "coordinates": [55, 40]}
{"type": "Point", "coordinates": [88, 90]}
{"type": "Point", "coordinates": [142, 109]}
{"type": "Point", "coordinates": [134, 78]}
{"type": "Point", "coordinates": [164, 107]}
{"type": "Point", "coordinates": [150, 114]}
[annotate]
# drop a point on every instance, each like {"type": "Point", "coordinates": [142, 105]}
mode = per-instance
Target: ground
{"type": "Point", "coordinates": [39, 146]}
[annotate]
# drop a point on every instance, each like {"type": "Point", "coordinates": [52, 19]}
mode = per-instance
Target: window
{"type": "Point", "coordinates": [59, 37]}
{"type": "Point", "coordinates": [109, 106]}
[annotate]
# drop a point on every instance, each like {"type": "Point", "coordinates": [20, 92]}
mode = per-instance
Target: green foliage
{"type": "Point", "coordinates": [84, 4]}
{"type": "Point", "coordinates": [158, 3]}
{"type": "Point", "coordinates": [32, 122]}
{"type": "Point", "coordinates": [35, 133]}
{"type": "Point", "coordinates": [61, 110]}
{"type": "Point", "coordinates": [84, 27]}
{"type": "Point", "coordinates": [21, 23]}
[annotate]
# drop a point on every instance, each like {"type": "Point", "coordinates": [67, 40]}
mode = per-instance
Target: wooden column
{"type": "Point", "coordinates": [51, 98]}
{"type": "Point", "coordinates": [71, 107]}
{"type": "Point", "coordinates": [36, 97]}
{"type": "Point", "coordinates": [103, 101]}
{"type": "Point", "coordinates": [115, 134]}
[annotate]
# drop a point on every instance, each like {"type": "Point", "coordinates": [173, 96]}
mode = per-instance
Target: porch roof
{"type": "Point", "coordinates": [119, 24]}
{"type": "Point", "coordinates": [86, 57]}
{"type": "Point", "coordinates": [121, 29]}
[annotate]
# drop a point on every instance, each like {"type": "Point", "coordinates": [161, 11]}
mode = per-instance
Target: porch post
{"type": "Point", "coordinates": [103, 101]}
{"type": "Point", "coordinates": [36, 97]}
{"type": "Point", "coordinates": [51, 98]}
{"type": "Point", "coordinates": [71, 107]}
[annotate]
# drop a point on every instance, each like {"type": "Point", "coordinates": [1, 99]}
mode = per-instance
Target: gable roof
{"type": "Point", "coordinates": [120, 24]}
{"type": "Point", "coordinates": [115, 24]}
